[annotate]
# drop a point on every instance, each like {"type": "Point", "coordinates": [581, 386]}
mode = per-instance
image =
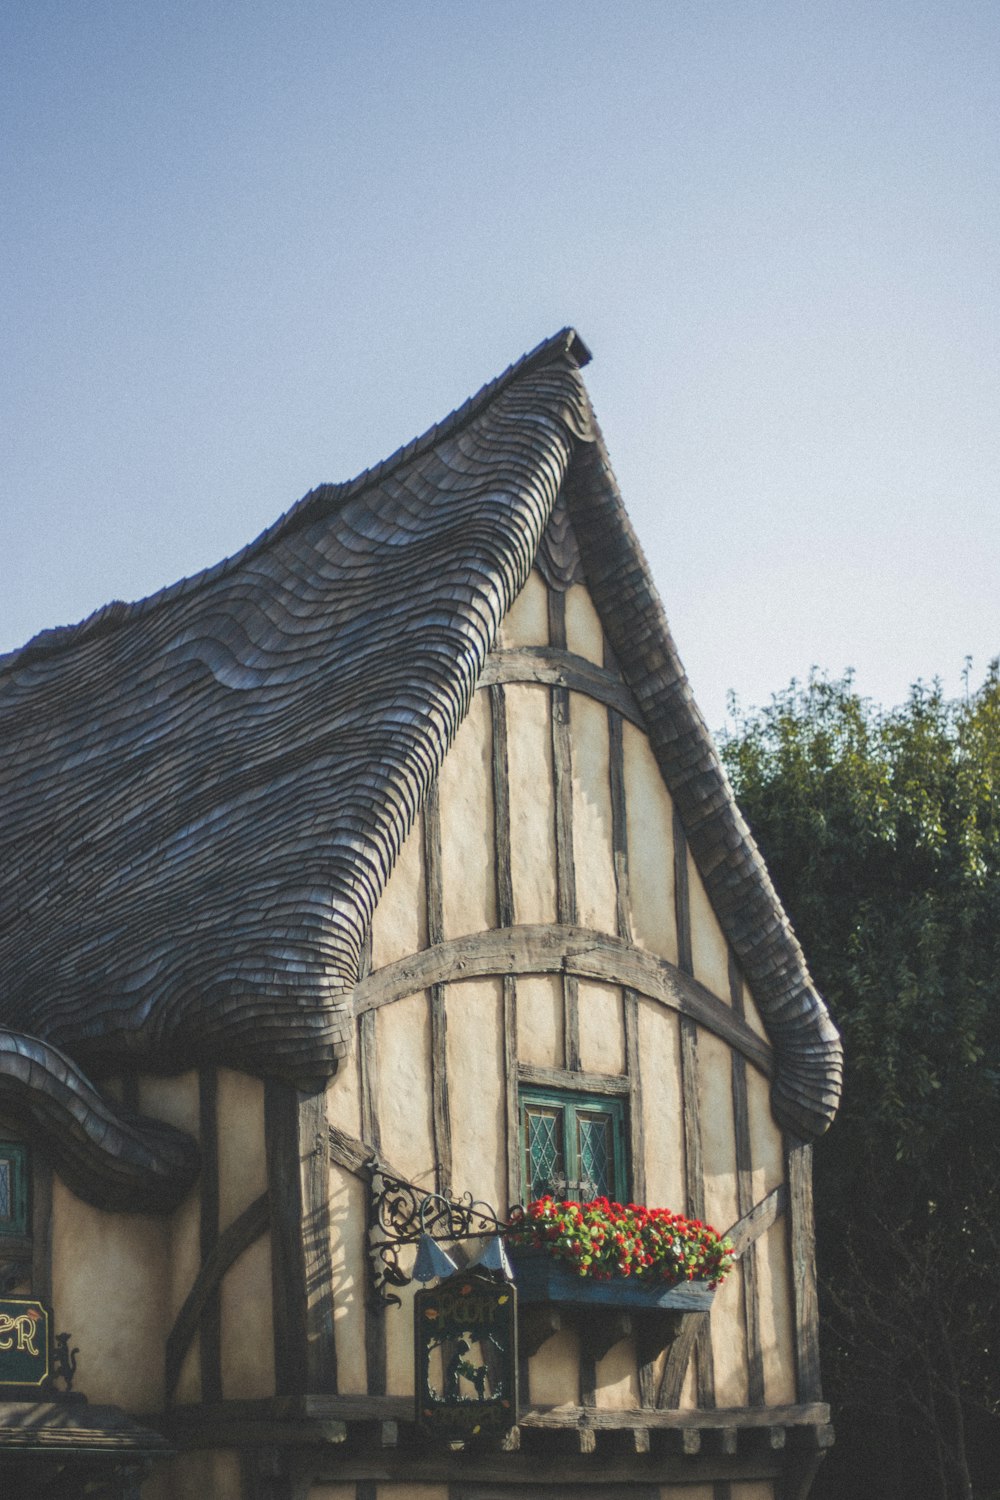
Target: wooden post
{"type": "Point", "coordinates": [41, 1229]}
{"type": "Point", "coordinates": [802, 1250]}
{"type": "Point", "coordinates": [302, 1274]}
{"type": "Point", "coordinates": [694, 1171]}
{"type": "Point", "coordinates": [210, 1323]}
{"type": "Point", "coordinates": [440, 1106]}
{"type": "Point", "coordinates": [744, 1198]}
{"type": "Point", "coordinates": [562, 773]}
{"type": "Point", "coordinates": [505, 918]}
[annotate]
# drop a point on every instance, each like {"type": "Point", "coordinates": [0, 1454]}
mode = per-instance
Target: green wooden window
{"type": "Point", "coordinates": [572, 1145]}
{"type": "Point", "coordinates": [13, 1188]}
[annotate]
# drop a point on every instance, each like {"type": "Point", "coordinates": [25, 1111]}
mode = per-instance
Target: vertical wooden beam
{"type": "Point", "coordinates": [571, 1021]}
{"type": "Point", "coordinates": [646, 1349]}
{"type": "Point", "coordinates": [375, 1347]}
{"type": "Point", "coordinates": [562, 764]}
{"type": "Point", "coordinates": [368, 1064]}
{"type": "Point", "coordinates": [744, 1198]}
{"type": "Point", "coordinates": [316, 1248]}
{"type": "Point", "coordinates": [515, 1185]}
{"type": "Point", "coordinates": [440, 1106]}
{"type": "Point", "coordinates": [557, 619]}
{"type": "Point", "coordinates": [41, 1228]}
{"type": "Point", "coordinates": [562, 772]}
{"type": "Point", "coordinates": [682, 899]}
{"type": "Point", "coordinates": [694, 1332]}
{"type": "Point", "coordinates": [282, 1137]}
{"type": "Point", "coordinates": [694, 1174]}
{"type": "Point", "coordinates": [432, 864]}
{"type": "Point", "coordinates": [500, 775]}
{"type": "Point", "coordinates": [619, 823]}
{"type": "Point", "coordinates": [802, 1248]}
{"type": "Point", "coordinates": [637, 1131]}
{"type": "Point", "coordinates": [209, 1326]}
{"type": "Point", "coordinates": [694, 1181]}
{"type": "Point", "coordinates": [501, 806]}
{"type": "Point", "coordinates": [588, 1374]}
{"type": "Point", "coordinates": [376, 1358]}
{"type": "Point", "coordinates": [297, 1133]}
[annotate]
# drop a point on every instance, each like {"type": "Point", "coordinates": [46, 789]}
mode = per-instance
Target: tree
{"type": "Point", "coordinates": [882, 833]}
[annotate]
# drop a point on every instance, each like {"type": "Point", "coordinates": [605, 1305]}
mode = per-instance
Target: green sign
{"type": "Point", "coordinates": [465, 1339]}
{"type": "Point", "coordinates": [24, 1342]}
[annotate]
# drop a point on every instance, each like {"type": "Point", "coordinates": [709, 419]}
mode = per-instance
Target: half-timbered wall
{"type": "Point", "coordinates": [124, 1284]}
{"type": "Point", "coordinates": [546, 924]}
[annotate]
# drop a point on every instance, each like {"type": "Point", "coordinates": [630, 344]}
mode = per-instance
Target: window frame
{"type": "Point", "coordinates": [572, 1103]}
{"type": "Point", "coordinates": [18, 1225]}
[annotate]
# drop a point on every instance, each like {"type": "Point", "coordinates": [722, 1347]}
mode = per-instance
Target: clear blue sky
{"type": "Point", "coordinates": [250, 247]}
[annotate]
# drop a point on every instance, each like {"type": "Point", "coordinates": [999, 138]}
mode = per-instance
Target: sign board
{"type": "Point", "coordinates": [24, 1342]}
{"type": "Point", "coordinates": [465, 1343]}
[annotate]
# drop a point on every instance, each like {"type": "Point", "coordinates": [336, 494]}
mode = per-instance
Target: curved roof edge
{"type": "Point", "coordinates": [109, 1157]}
{"type": "Point", "coordinates": [808, 1051]}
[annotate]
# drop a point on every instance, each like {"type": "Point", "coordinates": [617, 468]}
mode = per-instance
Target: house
{"type": "Point", "coordinates": [392, 857]}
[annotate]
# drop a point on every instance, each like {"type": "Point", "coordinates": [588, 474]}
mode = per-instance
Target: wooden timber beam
{"type": "Point", "coordinates": [229, 1246]}
{"type": "Point", "coordinates": [560, 668]}
{"type": "Point", "coordinates": [555, 949]}
{"type": "Point", "coordinates": [367, 1440]}
{"type": "Point", "coordinates": [348, 1408]}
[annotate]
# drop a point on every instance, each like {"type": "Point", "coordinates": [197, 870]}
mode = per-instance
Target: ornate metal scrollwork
{"type": "Point", "coordinates": [399, 1212]}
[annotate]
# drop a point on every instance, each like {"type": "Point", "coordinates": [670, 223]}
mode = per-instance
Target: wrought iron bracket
{"type": "Point", "coordinates": [399, 1212]}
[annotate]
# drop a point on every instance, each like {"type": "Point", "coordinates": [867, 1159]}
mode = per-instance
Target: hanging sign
{"type": "Point", "coordinates": [24, 1342]}
{"type": "Point", "coordinates": [465, 1341]}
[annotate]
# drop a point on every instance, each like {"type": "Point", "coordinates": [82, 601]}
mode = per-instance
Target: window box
{"type": "Point", "coordinates": [552, 1299]}
{"type": "Point", "coordinates": [540, 1279]}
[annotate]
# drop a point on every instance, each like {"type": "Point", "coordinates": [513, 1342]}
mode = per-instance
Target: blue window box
{"type": "Point", "coordinates": [541, 1279]}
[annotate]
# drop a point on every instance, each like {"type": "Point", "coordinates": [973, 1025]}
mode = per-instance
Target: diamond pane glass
{"type": "Point", "coordinates": [5, 1189]}
{"type": "Point", "coordinates": [546, 1161]}
{"type": "Point", "coordinates": [595, 1149]}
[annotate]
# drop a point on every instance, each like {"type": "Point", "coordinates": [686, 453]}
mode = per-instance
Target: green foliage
{"type": "Point", "coordinates": [882, 834]}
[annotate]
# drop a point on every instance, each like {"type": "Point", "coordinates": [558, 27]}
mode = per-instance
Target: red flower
{"type": "Point", "coordinates": [602, 1239]}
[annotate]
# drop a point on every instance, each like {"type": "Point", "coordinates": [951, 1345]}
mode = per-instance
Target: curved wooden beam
{"type": "Point", "coordinates": [555, 949]}
{"type": "Point", "coordinates": [109, 1156]}
{"type": "Point", "coordinates": [237, 1237]}
{"type": "Point", "coordinates": [556, 668]}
